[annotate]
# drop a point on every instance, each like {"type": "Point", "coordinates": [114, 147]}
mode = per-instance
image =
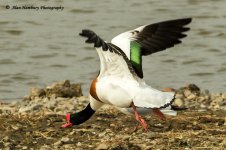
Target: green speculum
{"type": "Point", "coordinates": [136, 58]}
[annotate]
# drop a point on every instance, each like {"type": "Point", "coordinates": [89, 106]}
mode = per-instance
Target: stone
{"type": "Point", "coordinates": [79, 144]}
{"type": "Point", "coordinates": [45, 147]}
{"type": "Point", "coordinates": [36, 107]}
{"type": "Point", "coordinates": [191, 97]}
{"type": "Point", "coordinates": [207, 97]}
{"type": "Point", "coordinates": [193, 88]}
{"type": "Point", "coordinates": [15, 127]}
{"type": "Point", "coordinates": [24, 147]}
{"type": "Point", "coordinates": [219, 100]}
{"type": "Point", "coordinates": [102, 134]}
{"type": "Point", "coordinates": [223, 143]}
{"type": "Point", "coordinates": [7, 110]}
{"type": "Point", "coordinates": [78, 148]}
{"type": "Point", "coordinates": [178, 102]}
{"type": "Point", "coordinates": [216, 95]}
{"type": "Point", "coordinates": [201, 99]}
{"type": "Point", "coordinates": [13, 104]}
{"type": "Point", "coordinates": [202, 110]}
{"type": "Point", "coordinates": [202, 106]}
{"type": "Point", "coordinates": [36, 92]}
{"type": "Point", "coordinates": [51, 104]}
{"type": "Point", "coordinates": [151, 135]}
{"type": "Point", "coordinates": [102, 146]}
{"type": "Point", "coordinates": [59, 89]}
{"type": "Point", "coordinates": [217, 107]}
{"type": "Point", "coordinates": [58, 143]}
{"type": "Point", "coordinates": [224, 121]}
{"type": "Point", "coordinates": [112, 125]}
{"type": "Point", "coordinates": [6, 139]}
{"type": "Point", "coordinates": [224, 96]}
{"type": "Point", "coordinates": [126, 137]}
{"type": "Point", "coordinates": [77, 90]}
{"type": "Point", "coordinates": [72, 132]}
{"type": "Point", "coordinates": [187, 92]}
{"type": "Point", "coordinates": [180, 96]}
{"type": "Point", "coordinates": [64, 89]}
{"type": "Point", "coordinates": [206, 92]}
{"type": "Point", "coordinates": [33, 107]}
{"type": "Point", "coordinates": [213, 96]}
{"type": "Point", "coordinates": [65, 140]}
{"type": "Point", "coordinates": [68, 146]}
{"type": "Point", "coordinates": [65, 83]}
{"type": "Point", "coordinates": [7, 144]}
{"type": "Point", "coordinates": [222, 103]}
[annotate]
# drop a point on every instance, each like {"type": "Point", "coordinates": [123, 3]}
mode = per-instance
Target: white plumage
{"type": "Point", "coordinates": [117, 86]}
{"type": "Point", "coordinates": [123, 40]}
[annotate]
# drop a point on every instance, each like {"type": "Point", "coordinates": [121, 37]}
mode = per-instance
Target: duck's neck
{"type": "Point", "coordinates": [82, 116]}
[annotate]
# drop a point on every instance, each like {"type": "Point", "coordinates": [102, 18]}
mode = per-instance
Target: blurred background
{"type": "Point", "coordinates": [40, 47]}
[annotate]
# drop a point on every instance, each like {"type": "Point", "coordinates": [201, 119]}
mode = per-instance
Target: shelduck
{"type": "Point", "coordinates": [120, 80]}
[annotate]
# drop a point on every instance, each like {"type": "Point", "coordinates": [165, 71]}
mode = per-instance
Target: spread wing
{"type": "Point", "coordinates": [116, 66]}
{"type": "Point", "coordinates": [150, 39]}
{"type": "Point", "coordinates": [113, 60]}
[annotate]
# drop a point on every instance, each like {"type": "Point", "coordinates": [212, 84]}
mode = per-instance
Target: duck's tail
{"type": "Point", "coordinates": [168, 111]}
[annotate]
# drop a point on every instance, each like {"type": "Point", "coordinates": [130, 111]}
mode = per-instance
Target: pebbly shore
{"type": "Point", "coordinates": [34, 122]}
{"type": "Point", "coordinates": [63, 97]}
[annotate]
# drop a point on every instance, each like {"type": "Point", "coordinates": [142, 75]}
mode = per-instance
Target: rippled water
{"type": "Point", "coordinates": [40, 47]}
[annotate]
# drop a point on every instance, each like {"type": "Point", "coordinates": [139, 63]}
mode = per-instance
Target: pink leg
{"type": "Point", "coordinates": [159, 114]}
{"type": "Point", "coordinates": [138, 117]}
{"type": "Point", "coordinates": [68, 124]}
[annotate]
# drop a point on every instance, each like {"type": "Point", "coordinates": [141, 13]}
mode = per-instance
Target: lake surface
{"type": "Point", "coordinates": [39, 47]}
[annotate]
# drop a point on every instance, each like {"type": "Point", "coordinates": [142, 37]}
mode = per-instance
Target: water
{"type": "Point", "coordinates": [40, 47]}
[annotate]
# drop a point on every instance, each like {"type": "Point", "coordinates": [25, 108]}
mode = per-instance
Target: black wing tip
{"type": "Point", "coordinates": [176, 22]}
{"type": "Point", "coordinates": [185, 29]}
{"type": "Point", "coordinates": [184, 21]}
{"type": "Point", "coordinates": [187, 20]}
{"type": "Point", "coordinates": [92, 37]}
{"type": "Point", "coordinates": [86, 32]}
